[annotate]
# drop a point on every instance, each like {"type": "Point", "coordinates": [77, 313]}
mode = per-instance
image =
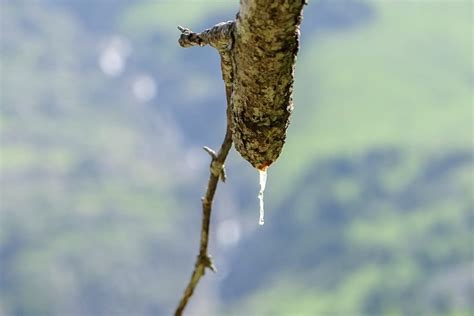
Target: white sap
{"type": "Point", "coordinates": [263, 182]}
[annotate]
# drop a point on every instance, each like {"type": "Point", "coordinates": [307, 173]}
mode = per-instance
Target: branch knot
{"type": "Point", "coordinates": [217, 167]}
{"type": "Point", "coordinates": [206, 261]}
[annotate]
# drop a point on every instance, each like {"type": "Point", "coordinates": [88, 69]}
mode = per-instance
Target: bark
{"type": "Point", "coordinates": [258, 53]}
{"type": "Point", "coordinates": [266, 42]}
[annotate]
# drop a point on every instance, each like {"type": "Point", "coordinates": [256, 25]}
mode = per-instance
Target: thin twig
{"type": "Point", "coordinates": [204, 259]}
{"type": "Point", "coordinates": [218, 36]}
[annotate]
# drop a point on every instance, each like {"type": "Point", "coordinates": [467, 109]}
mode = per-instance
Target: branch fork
{"type": "Point", "coordinates": [217, 168]}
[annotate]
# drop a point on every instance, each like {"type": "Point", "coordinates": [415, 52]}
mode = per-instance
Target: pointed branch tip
{"type": "Point", "coordinates": [183, 29]}
{"type": "Point", "coordinates": [208, 263]}
{"type": "Point", "coordinates": [210, 151]}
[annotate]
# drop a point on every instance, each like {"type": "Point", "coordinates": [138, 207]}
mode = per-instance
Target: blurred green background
{"type": "Point", "coordinates": [369, 208]}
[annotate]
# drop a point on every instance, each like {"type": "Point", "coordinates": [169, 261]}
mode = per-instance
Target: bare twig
{"type": "Point", "coordinates": [204, 259]}
{"type": "Point", "coordinates": [217, 169]}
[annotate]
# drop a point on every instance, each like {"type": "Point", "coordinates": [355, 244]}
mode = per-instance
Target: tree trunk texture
{"type": "Point", "coordinates": [266, 40]}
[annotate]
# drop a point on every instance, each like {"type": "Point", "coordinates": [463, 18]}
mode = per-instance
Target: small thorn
{"type": "Point", "coordinates": [223, 174]}
{"type": "Point", "coordinates": [207, 260]}
{"type": "Point", "coordinates": [210, 264]}
{"type": "Point", "coordinates": [210, 151]}
{"type": "Point", "coordinates": [213, 268]}
{"type": "Point", "coordinates": [183, 29]}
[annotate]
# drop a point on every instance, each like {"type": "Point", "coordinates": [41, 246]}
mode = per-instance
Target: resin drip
{"type": "Point", "coordinates": [263, 182]}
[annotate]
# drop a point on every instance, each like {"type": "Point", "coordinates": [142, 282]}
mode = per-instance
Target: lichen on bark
{"type": "Point", "coordinates": [258, 53]}
{"type": "Point", "coordinates": [266, 40]}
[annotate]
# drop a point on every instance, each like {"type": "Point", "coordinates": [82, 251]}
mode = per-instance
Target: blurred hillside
{"type": "Point", "coordinates": [369, 208]}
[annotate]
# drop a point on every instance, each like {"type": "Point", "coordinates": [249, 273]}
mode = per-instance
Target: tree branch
{"type": "Point", "coordinates": [258, 53]}
{"type": "Point", "coordinates": [265, 48]}
{"type": "Point", "coordinates": [204, 260]}
{"type": "Point", "coordinates": [215, 37]}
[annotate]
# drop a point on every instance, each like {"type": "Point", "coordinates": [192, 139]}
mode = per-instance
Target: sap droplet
{"type": "Point", "coordinates": [263, 182]}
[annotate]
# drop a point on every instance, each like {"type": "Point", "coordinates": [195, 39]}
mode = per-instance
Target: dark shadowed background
{"type": "Point", "coordinates": [103, 116]}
